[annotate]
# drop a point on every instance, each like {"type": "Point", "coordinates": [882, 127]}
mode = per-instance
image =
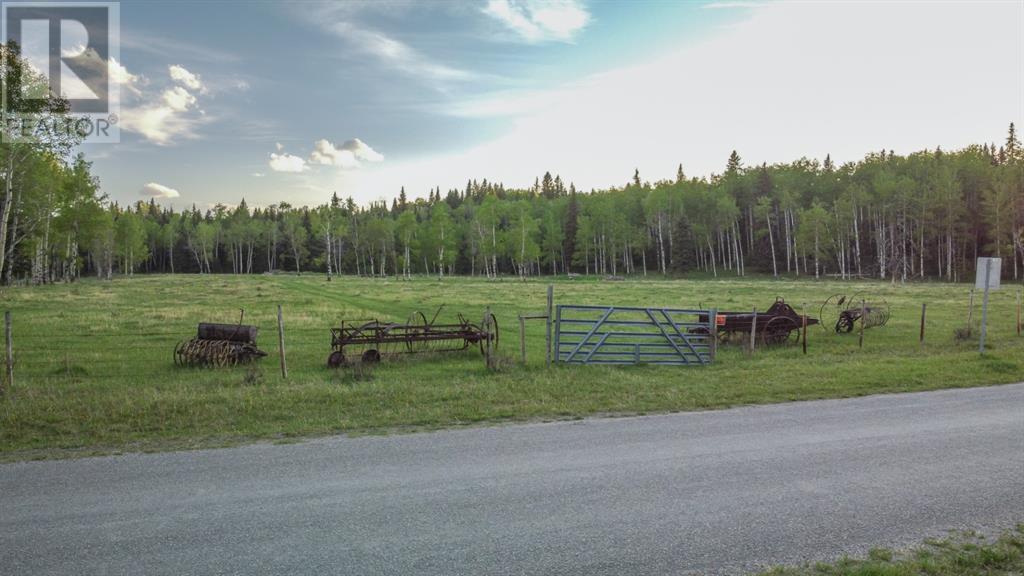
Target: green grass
{"type": "Point", "coordinates": [960, 555]}
{"type": "Point", "coordinates": [95, 373]}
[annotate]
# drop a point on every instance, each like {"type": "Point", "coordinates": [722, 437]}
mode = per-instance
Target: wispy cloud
{"type": "Point", "coordinates": [154, 190]}
{"type": "Point", "coordinates": [538, 21]}
{"type": "Point", "coordinates": [156, 45]}
{"type": "Point", "coordinates": [343, 21]}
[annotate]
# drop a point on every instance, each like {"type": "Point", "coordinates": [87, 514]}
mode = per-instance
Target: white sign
{"type": "Point", "coordinates": [991, 265]}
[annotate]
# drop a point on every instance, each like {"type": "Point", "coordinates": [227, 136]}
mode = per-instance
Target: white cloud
{"type": "Point", "coordinates": [169, 117]}
{"type": "Point", "coordinates": [348, 155]}
{"type": "Point", "coordinates": [325, 153]}
{"type": "Point", "coordinates": [154, 190]}
{"type": "Point", "coordinates": [257, 174]}
{"type": "Point", "coordinates": [160, 124]}
{"type": "Point", "coordinates": [285, 162]}
{"type": "Point", "coordinates": [540, 20]}
{"type": "Point", "coordinates": [121, 76]}
{"type": "Point", "coordinates": [178, 99]}
{"type": "Point", "coordinates": [187, 79]}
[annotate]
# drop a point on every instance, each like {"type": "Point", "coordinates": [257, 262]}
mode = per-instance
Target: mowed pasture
{"type": "Point", "coordinates": [94, 370]}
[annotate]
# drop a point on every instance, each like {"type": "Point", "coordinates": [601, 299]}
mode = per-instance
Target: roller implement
{"type": "Point", "coordinates": [219, 345]}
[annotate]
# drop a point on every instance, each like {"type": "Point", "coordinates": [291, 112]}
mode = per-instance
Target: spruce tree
{"type": "Point", "coordinates": [1013, 147]}
{"type": "Point", "coordinates": [734, 163]}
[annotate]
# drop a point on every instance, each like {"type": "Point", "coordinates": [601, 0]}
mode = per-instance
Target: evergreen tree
{"type": "Point", "coordinates": [734, 163]}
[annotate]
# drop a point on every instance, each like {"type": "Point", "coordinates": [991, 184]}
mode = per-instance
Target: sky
{"type": "Point", "coordinates": [291, 102]}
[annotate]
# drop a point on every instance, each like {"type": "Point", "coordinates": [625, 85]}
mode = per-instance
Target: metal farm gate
{"type": "Point", "coordinates": [618, 335]}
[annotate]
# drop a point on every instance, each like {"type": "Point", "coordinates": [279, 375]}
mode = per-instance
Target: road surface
{"type": "Point", "coordinates": [713, 492]}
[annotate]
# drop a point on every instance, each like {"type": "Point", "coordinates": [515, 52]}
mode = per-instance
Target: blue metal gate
{"type": "Point", "coordinates": [620, 335]}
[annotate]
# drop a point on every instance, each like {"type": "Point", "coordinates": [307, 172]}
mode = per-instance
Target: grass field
{"type": "Point", "coordinates": [964, 554]}
{"type": "Point", "coordinates": [94, 370]}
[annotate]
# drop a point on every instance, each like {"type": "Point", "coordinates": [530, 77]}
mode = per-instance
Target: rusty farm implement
{"type": "Point", "coordinates": [371, 340]}
{"type": "Point", "coordinates": [219, 345]}
{"type": "Point", "coordinates": [846, 312]}
{"type": "Point", "coordinates": [779, 324]}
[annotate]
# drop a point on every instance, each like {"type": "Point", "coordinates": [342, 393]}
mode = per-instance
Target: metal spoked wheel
{"type": "Point", "coordinates": [780, 330]}
{"type": "Point", "coordinates": [336, 359]}
{"type": "Point", "coordinates": [419, 325]}
{"type": "Point", "coordinates": [491, 332]}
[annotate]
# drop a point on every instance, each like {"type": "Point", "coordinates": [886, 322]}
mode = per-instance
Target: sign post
{"type": "Point", "coordinates": [987, 279]}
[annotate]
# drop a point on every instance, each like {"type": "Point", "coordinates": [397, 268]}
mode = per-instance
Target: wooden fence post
{"type": "Point", "coordinates": [522, 338]}
{"type": "Point", "coordinates": [280, 342]}
{"type": "Point", "coordinates": [924, 308]}
{"type": "Point", "coordinates": [803, 320]}
{"type": "Point", "coordinates": [547, 322]}
{"type": "Point", "coordinates": [970, 313]}
{"type": "Point", "coordinates": [488, 349]}
{"type": "Point", "coordinates": [863, 312]}
{"type": "Point", "coordinates": [753, 331]}
{"type": "Point", "coordinates": [10, 352]}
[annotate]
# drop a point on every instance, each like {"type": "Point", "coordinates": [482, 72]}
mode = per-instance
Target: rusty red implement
{"type": "Point", "coordinates": [371, 340]}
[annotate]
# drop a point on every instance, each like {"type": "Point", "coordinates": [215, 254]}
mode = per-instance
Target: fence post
{"type": "Point", "coordinates": [547, 322]}
{"type": "Point", "coordinates": [753, 331]}
{"type": "Point", "coordinates": [713, 344]}
{"type": "Point", "coordinates": [984, 307]}
{"type": "Point", "coordinates": [522, 338]}
{"type": "Point", "coordinates": [280, 342]}
{"type": "Point", "coordinates": [1019, 292]}
{"type": "Point", "coordinates": [863, 312]}
{"type": "Point", "coordinates": [924, 308]}
{"type": "Point", "coordinates": [10, 352]}
{"type": "Point", "coordinates": [970, 313]}
{"type": "Point", "coordinates": [489, 328]}
{"type": "Point", "coordinates": [803, 321]}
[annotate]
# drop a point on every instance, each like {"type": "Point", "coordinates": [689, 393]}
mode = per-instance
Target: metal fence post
{"type": "Point", "coordinates": [547, 322]}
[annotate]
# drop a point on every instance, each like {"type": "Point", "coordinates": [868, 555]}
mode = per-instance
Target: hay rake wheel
{"type": "Point", "coordinates": [490, 332]}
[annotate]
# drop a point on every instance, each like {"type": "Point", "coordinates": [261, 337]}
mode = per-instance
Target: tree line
{"type": "Point", "coordinates": [925, 215]}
